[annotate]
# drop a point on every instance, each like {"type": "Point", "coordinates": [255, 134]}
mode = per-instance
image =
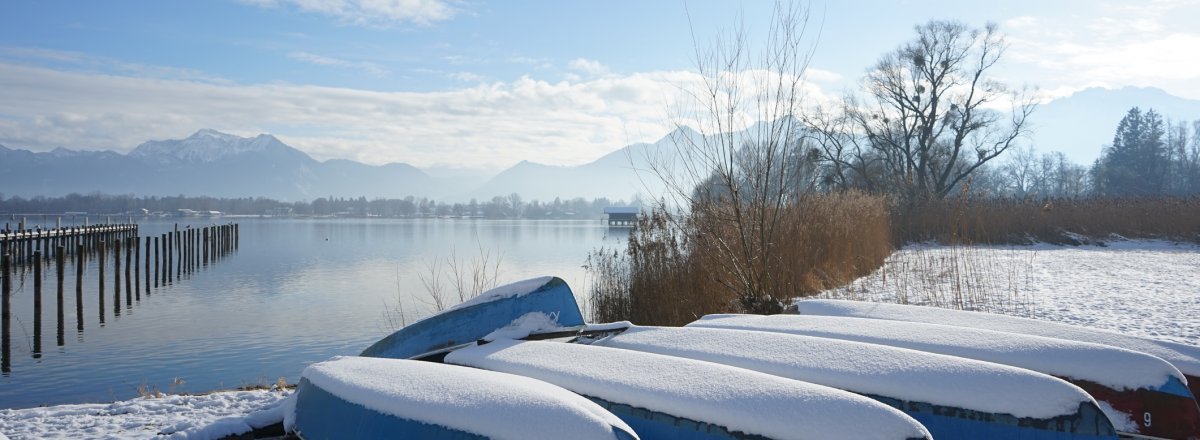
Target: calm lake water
{"type": "Point", "coordinates": [295, 292]}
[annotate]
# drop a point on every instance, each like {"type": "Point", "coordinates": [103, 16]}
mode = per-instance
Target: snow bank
{"type": "Point", "coordinates": [1184, 357]}
{"type": "Point", "coordinates": [209, 416]}
{"type": "Point", "coordinates": [495, 405]}
{"type": "Point", "coordinates": [737, 399]}
{"type": "Point", "coordinates": [1113, 367]}
{"type": "Point", "coordinates": [867, 368]}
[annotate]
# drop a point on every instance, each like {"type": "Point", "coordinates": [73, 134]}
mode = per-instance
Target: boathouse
{"type": "Point", "coordinates": [622, 215]}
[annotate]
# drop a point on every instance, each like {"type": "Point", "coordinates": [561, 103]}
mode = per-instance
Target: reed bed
{"type": "Point", "coordinates": [675, 270]}
{"type": "Point", "coordinates": [1056, 221]}
{"type": "Point", "coordinates": [671, 273]}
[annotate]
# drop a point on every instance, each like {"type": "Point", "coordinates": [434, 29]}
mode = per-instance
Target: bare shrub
{"type": "Point", "coordinates": [446, 282]}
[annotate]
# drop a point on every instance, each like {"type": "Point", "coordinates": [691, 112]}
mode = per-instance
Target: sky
{"type": "Point", "coordinates": [452, 85]}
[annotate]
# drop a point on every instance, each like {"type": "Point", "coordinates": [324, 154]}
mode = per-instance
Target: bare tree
{"type": "Point", "coordinates": [744, 162]}
{"type": "Point", "coordinates": [929, 118]}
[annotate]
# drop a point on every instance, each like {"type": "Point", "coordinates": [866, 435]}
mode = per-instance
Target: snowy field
{"type": "Point", "coordinates": [210, 416]}
{"type": "Point", "coordinates": [1148, 288]}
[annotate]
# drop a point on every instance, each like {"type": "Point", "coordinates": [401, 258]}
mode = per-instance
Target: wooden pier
{"type": "Point", "coordinates": [176, 254]}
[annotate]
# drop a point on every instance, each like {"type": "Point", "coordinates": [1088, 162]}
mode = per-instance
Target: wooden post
{"type": "Point", "coordinates": [60, 256]}
{"type": "Point", "coordinates": [172, 250]}
{"type": "Point", "coordinates": [79, 259]}
{"type": "Point", "coordinates": [101, 258]}
{"type": "Point", "coordinates": [179, 254]}
{"type": "Point", "coordinates": [147, 266]}
{"type": "Point", "coordinates": [206, 246]}
{"type": "Point", "coordinates": [5, 314]}
{"type": "Point", "coordinates": [136, 241]}
{"type": "Point", "coordinates": [191, 249]}
{"type": "Point", "coordinates": [37, 304]}
{"type": "Point", "coordinates": [128, 241]}
{"type": "Point", "coordinates": [116, 275]}
{"type": "Point", "coordinates": [168, 259]}
{"type": "Point", "coordinates": [157, 259]}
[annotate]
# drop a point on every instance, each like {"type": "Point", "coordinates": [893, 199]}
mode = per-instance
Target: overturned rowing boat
{"type": "Point", "coordinates": [1143, 395]}
{"type": "Point", "coordinates": [1184, 357]}
{"type": "Point", "coordinates": [703, 401]}
{"type": "Point", "coordinates": [954, 398]}
{"type": "Point", "coordinates": [371, 398]}
{"type": "Point", "coordinates": [671, 397]}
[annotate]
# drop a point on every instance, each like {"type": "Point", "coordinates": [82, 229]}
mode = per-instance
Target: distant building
{"type": "Point", "coordinates": [622, 215]}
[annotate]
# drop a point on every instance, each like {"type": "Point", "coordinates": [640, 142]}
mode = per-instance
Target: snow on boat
{"type": "Point", "coordinates": [954, 398]}
{"type": "Point", "coordinates": [728, 405]}
{"type": "Point", "coordinates": [464, 323]}
{"type": "Point", "coordinates": [1142, 395]}
{"type": "Point", "coordinates": [371, 398]}
{"type": "Point", "coordinates": [1184, 357]}
{"type": "Point", "coordinates": [670, 397]}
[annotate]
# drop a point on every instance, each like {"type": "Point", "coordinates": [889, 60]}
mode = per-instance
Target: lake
{"type": "Point", "coordinates": [296, 291]}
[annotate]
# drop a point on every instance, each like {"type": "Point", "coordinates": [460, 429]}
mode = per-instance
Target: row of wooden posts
{"type": "Point", "coordinates": [165, 258]}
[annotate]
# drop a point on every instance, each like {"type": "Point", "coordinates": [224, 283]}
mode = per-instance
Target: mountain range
{"type": "Point", "coordinates": [217, 164]}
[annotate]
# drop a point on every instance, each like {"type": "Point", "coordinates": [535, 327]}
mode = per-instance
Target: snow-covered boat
{"type": "Point", "coordinates": [1144, 396]}
{"type": "Point", "coordinates": [954, 398]}
{"type": "Point", "coordinates": [659, 396]}
{"type": "Point", "coordinates": [1184, 357]}
{"type": "Point", "coordinates": [465, 323]}
{"type": "Point", "coordinates": [676, 398]}
{"type": "Point", "coordinates": [372, 398]}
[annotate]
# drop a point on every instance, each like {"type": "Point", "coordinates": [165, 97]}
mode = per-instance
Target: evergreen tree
{"type": "Point", "coordinates": [1136, 163]}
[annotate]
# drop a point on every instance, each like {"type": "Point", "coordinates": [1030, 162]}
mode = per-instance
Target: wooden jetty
{"type": "Point", "coordinates": [175, 254]}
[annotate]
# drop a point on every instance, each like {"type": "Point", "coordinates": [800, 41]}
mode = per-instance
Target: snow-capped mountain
{"type": "Point", "coordinates": [209, 145]}
{"type": "Point", "coordinates": [208, 163]}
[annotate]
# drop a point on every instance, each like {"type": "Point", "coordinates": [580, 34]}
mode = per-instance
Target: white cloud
{"type": "Point", "coordinates": [822, 76]}
{"type": "Point", "coordinates": [1021, 22]}
{"type": "Point", "coordinates": [320, 60]}
{"type": "Point", "coordinates": [485, 126]}
{"type": "Point", "coordinates": [1115, 44]}
{"type": "Point", "coordinates": [590, 67]}
{"type": "Point", "coordinates": [468, 77]}
{"type": "Point", "coordinates": [371, 12]}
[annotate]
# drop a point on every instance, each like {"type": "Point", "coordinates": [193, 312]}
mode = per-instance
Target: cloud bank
{"type": "Point", "coordinates": [370, 12]}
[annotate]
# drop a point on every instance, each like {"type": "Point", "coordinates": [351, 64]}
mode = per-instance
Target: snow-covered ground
{"type": "Point", "coordinates": [204, 417]}
{"type": "Point", "coordinates": [1147, 288]}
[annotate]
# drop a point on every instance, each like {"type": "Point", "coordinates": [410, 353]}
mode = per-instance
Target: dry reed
{"type": "Point", "coordinates": [671, 273]}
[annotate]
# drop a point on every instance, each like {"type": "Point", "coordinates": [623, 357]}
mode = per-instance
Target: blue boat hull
{"type": "Point", "coordinates": [1089, 423]}
{"type": "Point", "coordinates": [321, 415]}
{"type": "Point", "coordinates": [465, 325]}
{"type": "Point", "coordinates": [657, 425]}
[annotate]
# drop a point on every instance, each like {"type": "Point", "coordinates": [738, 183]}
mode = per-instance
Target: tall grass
{"type": "Point", "coordinates": [671, 274]}
{"type": "Point", "coordinates": [980, 278]}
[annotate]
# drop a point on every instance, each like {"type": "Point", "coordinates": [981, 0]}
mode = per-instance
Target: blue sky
{"type": "Point", "coordinates": [479, 84]}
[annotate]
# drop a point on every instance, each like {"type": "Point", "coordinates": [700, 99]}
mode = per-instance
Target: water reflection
{"type": "Point", "coordinates": [24, 260]}
{"type": "Point", "coordinates": [295, 292]}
